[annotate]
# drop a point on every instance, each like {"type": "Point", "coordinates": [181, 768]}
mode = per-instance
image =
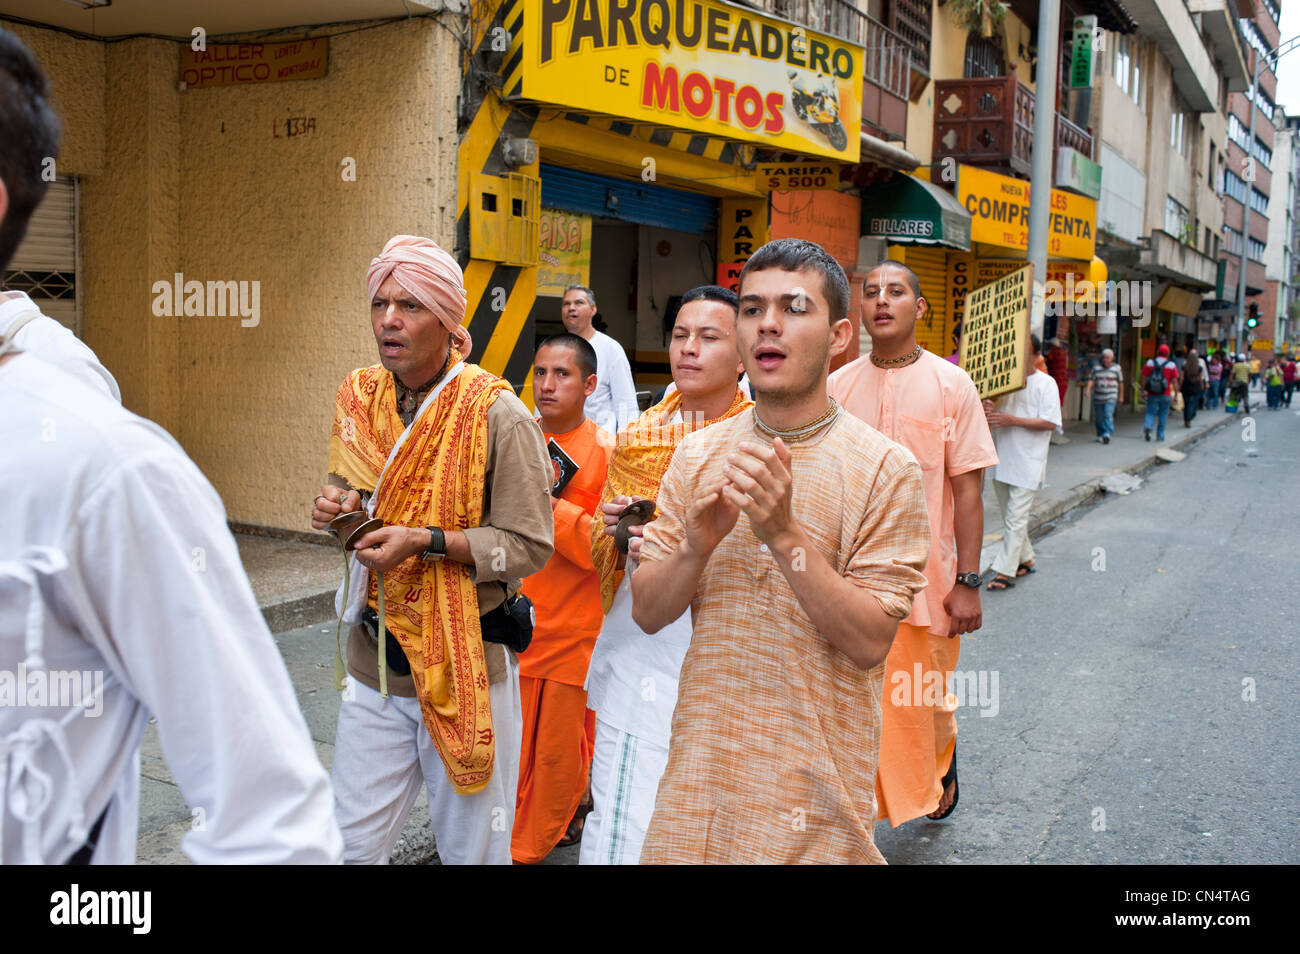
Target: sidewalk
{"type": "Point", "coordinates": [1076, 469]}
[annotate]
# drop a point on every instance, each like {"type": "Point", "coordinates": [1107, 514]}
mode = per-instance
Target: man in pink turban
{"type": "Point", "coordinates": [452, 463]}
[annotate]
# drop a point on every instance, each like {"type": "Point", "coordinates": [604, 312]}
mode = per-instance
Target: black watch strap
{"type": "Point", "coordinates": [437, 548]}
{"type": "Point", "coordinates": [969, 579]}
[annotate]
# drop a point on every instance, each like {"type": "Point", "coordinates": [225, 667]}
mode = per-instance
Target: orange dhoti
{"type": "Point", "coordinates": [918, 724]}
{"type": "Point", "coordinates": [559, 738]}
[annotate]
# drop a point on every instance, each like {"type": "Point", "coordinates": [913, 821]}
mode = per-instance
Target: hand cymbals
{"type": "Point", "coordinates": [352, 526]}
{"type": "Point", "coordinates": [634, 515]}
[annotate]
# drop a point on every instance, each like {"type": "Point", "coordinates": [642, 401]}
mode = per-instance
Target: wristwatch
{"type": "Point", "coordinates": [436, 551]}
{"type": "Point", "coordinates": [969, 579]}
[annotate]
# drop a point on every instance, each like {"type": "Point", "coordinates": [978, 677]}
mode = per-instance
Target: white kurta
{"type": "Point", "coordinates": [613, 404]}
{"type": "Point", "coordinates": [153, 598]}
{"type": "Point", "coordinates": [48, 340]}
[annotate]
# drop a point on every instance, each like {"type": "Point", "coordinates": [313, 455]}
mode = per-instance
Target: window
{"type": "Point", "coordinates": [1262, 101]}
{"type": "Point", "coordinates": [1128, 74]}
{"type": "Point", "coordinates": [1263, 153]}
{"type": "Point", "coordinates": [1271, 7]}
{"type": "Point", "coordinates": [1255, 249]}
{"type": "Point", "coordinates": [1178, 133]}
{"type": "Point", "coordinates": [1175, 218]}
{"type": "Point", "coordinates": [1231, 240]}
{"type": "Point", "coordinates": [1255, 37]}
{"type": "Point", "coordinates": [1259, 201]}
{"type": "Point", "coordinates": [1235, 186]}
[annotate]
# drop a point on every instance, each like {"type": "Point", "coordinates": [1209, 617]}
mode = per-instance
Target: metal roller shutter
{"type": "Point", "coordinates": [931, 266]}
{"type": "Point", "coordinates": [631, 201]}
{"type": "Point", "coordinates": [45, 264]}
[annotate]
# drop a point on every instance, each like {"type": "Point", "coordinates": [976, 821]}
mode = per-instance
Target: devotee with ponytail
{"type": "Point", "coordinates": [450, 460]}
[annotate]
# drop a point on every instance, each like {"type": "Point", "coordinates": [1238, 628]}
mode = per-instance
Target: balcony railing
{"type": "Point", "coordinates": [891, 64]}
{"type": "Point", "coordinates": [990, 122]}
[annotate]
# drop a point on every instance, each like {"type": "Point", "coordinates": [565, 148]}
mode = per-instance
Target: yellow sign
{"type": "Point", "coordinates": [238, 64]}
{"type": "Point", "coordinates": [1262, 344]}
{"type": "Point", "coordinates": [564, 251]}
{"type": "Point", "coordinates": [742, 228]}
{"type": "Point", "coordinates": [999, 210]}
{"type": "Point", "coordinates": [707, 66]}
{"type": "Point", "coordinates": [995, 334]}
{"type": "Point", "coordinates": [786, 176]}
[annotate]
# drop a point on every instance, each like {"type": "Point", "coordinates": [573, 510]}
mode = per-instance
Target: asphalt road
{"type": "Point", "coordinates": [1146, 705]}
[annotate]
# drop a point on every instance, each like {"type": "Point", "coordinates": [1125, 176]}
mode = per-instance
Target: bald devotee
{"type": "Point", "coordinates": [559, 729]}
{"type": "Point", "coordinates": [445, 455]}
{"type": "Point", "coordinates": [931, 407]}
{"type": "Point", "coordinates": [796, 534]}
{"type": "Point", "coordinates": [632, 683]}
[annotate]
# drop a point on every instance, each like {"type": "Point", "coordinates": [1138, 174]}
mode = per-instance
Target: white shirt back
{"type": "Point", "coordinates": [1022, 453]}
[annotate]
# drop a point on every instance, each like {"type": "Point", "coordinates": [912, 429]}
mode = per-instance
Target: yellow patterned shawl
{"type": "Point", "coordinates": [644, 449]}
{"type": "Point", "coordinates": [436, 479]}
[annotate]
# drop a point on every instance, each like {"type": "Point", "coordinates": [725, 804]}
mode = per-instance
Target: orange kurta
{"type": "Point", "coordinates": [559, 731]}
{"type": "Point", "coordinates": [931, 407]}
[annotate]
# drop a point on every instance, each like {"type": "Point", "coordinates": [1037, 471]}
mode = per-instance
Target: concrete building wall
{"type": "Point", "coordinates": [209, 183]}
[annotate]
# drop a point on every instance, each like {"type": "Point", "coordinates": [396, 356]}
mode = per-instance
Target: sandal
{"type": "Point", "coordinates": [1000, 583]}
{"type": "Point", "coordinates": [1024, 570]}
{"type": "Point", "coordinates": [573, 834]}
{"type": "Point", "coordinates": [949, 779]}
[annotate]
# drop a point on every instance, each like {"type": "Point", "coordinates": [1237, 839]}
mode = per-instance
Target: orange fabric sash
{"type": "Point", "coordinates": [641, 457]}
{"type": "Point", "coordinates": [437, 478]}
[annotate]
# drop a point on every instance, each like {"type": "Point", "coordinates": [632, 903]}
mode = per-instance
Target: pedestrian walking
{"type": "Point", "coordinates": [123, 603]}
{"type": "Point", "coordinates": [797, 535]}
{"type": "Point", "coordinates": [453, 465]}
{"type": "Point", "coordinates": [633, 725]}
{"type": "Point", "coordinates": [1288, 380]}
{"type": "Point", "coordinates": [1058, 363]}
{"type": "Point", "coordinates": [1214, 380]}
{"type": "Point", "coordinates": [933, 410]}
{"type": "Point", "coordinates": [1192, 385]}
{"type": "Point", "coordinates": [1022, 424]}
{"type": "Point", "coordinates": [1273, 381]}
{"type": "Point", "coordinates": [1104, 387]}
{"type": "Point", "coordinates": [1239, 395]}
{"type": "Point", "coordinates": [1159, 379]}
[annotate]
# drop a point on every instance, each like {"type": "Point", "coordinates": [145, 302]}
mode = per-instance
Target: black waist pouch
{"type": "Point", "coordinates": [510, 624]}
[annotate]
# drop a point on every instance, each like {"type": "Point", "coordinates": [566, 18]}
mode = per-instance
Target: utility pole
{"type": "Point", "coordinates": [1245, 219]}
{"type": "Point", "coordinates": [1040, 182]}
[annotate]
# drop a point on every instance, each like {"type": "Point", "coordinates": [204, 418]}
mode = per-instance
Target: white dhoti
{"type": "Point", "coordinates": [1016, 504]}
{"type": "Point", "coordinates": [625, 773]}
{"type": "Point", "coordinates": [383, 752]}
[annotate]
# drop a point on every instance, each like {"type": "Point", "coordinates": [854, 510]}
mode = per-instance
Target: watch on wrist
{"type": "Point", "coordinates": [436, 551]}
{"type": "Point", "coordinates": [969, 579]}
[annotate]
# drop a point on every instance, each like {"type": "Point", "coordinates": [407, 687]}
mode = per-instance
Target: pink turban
{"type": "Point", "coordinates": [431, 275]}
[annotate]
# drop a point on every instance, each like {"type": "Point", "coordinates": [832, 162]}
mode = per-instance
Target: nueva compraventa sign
{"type": "Point", "coordinates": [701, 65]}
{"type": "Point", "coordinates": [999, 211]}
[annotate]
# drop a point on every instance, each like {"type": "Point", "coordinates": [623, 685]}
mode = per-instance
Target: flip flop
{"type": "Point", "coordinates": [997, 583]}
{"type": "Point", "coordinates": [1027, 567]}
{"type": "Point", "coordinates": [951, 776]}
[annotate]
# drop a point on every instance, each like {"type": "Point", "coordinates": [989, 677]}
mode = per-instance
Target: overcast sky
{"type": "Point", "coordinates": [1288, 68]}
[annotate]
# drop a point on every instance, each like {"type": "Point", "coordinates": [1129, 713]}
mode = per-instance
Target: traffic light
{"type": "Point", "coordinates": [1252, 319]}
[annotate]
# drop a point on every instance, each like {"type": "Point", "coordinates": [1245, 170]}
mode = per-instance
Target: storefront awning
{"type": "Point", "coordinates": [1180, 301]}
{"type": "Point", "coordinates": [910, 211]}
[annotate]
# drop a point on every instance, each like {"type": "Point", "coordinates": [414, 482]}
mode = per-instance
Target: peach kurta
{"type": "Point", "coordinates": [931, 408]}
{"type": "Point", "coordinates": [776, 733]}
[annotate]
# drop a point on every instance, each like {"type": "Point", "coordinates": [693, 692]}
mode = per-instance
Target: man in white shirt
{"type": "Point", "coordinates": [38, 334]}
{"type": "Point", "coordinates": [1022, 424]}
{"type": "Point", "coordinates": [122, 597]}
{"type": "Point", "coordinates": [632, 679]}
{"type": "Point", "coordinates": [613, 404]}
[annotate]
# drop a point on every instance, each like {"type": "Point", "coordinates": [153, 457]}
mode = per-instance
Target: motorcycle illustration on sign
{"type": "Point", "coordinates": [817, 102]}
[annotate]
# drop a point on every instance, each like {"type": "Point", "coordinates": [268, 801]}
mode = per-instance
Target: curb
{"type": "Point", "coordinates": [1085, 492]}
{"type": "Point", "coordinates": [301, 611]}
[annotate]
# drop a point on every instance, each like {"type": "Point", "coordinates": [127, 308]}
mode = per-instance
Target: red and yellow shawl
{"type": "Point", "coordinates": [644, 450]}
{"type": "Point", "coordinates": [437, 479]}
